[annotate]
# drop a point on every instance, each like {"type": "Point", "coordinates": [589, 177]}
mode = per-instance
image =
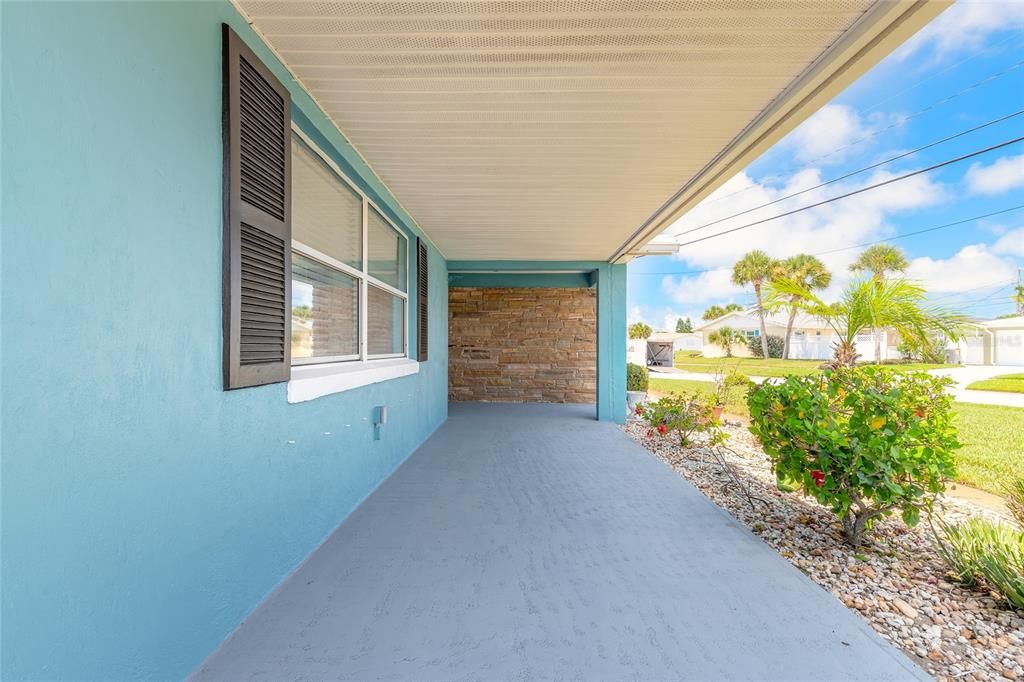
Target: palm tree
{"type": "Point", "coordinates": [1018, 298]}
{"type": "Point", "coordinates": [716, 311]}
{"type": "Point", "coordinates": [755, 268]}
{"type": "Point", "coordinates": [639, 330]}
{"type": "Point", "coordinates": [725, 337]}
{"type": "Point", "coordinates": [878, 260]}
{"type": "Point", "coordinates": [871, 304]}
{"type": "Point", "coordinates": [806, 271]}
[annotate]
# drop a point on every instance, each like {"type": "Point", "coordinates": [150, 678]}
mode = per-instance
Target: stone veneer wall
{"type": "Point", "coordinates": [522, 345]}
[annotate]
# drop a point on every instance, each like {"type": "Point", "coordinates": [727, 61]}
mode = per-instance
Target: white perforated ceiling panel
{"type": "Point", "coordinates": [538, 129]}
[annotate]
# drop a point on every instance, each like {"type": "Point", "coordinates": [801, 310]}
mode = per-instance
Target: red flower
{"type": "Point", "coordinates": [639, 410]}
{"type": "Point", "coordinates": [819, 478]}
{"type": "Point", "coordinates": [662, 430]}
{"type": "Point", "coordinates": [919, 412]}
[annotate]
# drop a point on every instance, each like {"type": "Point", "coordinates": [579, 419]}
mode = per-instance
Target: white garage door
{"type": "Point", "coordinates": [1009, 347]}
{"type": "Point", "coordinates": [975, 354]}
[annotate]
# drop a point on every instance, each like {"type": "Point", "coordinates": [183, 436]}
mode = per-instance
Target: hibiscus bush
{"type": "Point", "coordinates": [865, 442]}
{"type": "Point", "coordinates": [683, 417]}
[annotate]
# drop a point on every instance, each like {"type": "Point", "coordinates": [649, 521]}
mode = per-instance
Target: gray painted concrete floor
{"type": "Point", "coordinates": [532, 542]}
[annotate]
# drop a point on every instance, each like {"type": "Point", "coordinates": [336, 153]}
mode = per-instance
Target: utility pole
{"type": "Point", "coordinates": [1019, 294]}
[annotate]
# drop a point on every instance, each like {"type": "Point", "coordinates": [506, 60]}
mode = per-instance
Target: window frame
{"type": "Point", "coordinates": [363, 278]}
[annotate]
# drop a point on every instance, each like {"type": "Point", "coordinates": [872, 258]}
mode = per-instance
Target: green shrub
{"type": "Point", "coordinates": [685, 416]}
{"type": "Point", "coordinates": [980, 549]}
{"type": "Point", "coordinates": [775, 346]}
{"type": "Point", "coordinates": [865, 442]}
{"type": "Point", "coordinates": [637, 378]}
{"type": "Point", "coordinates": [1014, 493]}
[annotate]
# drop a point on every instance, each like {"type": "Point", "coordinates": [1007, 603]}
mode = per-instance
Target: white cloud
{"type": "Point", "coordinates": [972, 267]}
{"type": "Point", "coordinates": [833, 127]}
{"type": "Point", "coordinates": [1011, 243]}
{"type": "Point", "coordinates": [715, 285]}
{"type": "Point", "coordinates": [837, 225]}
{"type": "Point", "coordinates": [966, 27]}
{"type": "Point", "coordinates": [1000, 176]}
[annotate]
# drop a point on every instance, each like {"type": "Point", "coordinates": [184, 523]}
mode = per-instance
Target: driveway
{"type": "Point", "coordinates": [966, 375]}
{"type": "Point", "coordinates": [531, 542]}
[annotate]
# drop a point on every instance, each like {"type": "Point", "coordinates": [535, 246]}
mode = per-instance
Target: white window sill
{"type": "Point", "coordinates": [309, 382]}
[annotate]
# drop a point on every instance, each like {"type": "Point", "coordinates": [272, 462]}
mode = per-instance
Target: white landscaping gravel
{"type": "Point", "coordinates": [897, 581]}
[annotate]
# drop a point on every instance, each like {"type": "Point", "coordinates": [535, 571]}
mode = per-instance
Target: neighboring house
{"type": "Point", "coordinates": [450, 191]}
{"type": "Point", "coordinates": [660, 348]}
{"type": "Point", "coordinates": [663, 345]}
{"type": "Point", "coordinates": [812, 338]}
{"type": "Point", "coordinates": [991, 342]}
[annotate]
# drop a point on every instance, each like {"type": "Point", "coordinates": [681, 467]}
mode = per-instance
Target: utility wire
{"type": "Point", "coordinates": [927, 169]}
{"type": "Point", "coordinates": [935, 143]}
{"type": "Point", "coordinates": [870, 243]}
{"type": "Point", "coordinates": [903, 120]}
{"type": "Point", "coordinates": [935, 74]}
{"type": "Point", "coordinates": [1001, 284]}
{"type": "Point", "coordinates": [917, 232]}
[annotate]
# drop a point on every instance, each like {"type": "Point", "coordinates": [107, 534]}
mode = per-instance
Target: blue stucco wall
{"type": "Point", "coordinates": [145, 511]}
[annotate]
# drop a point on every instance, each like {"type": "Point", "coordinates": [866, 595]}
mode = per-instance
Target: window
{"type": "Point", "coordinates": [349, 270]}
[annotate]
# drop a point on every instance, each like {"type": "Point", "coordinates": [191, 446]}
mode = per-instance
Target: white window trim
{"type": "Point", "coordinates": [316, 377]}
{"type": "Point", "coordinates": [309, 382]}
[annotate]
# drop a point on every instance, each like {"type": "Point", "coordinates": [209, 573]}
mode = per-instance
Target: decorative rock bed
{"type": "Point", "coordinates": [897, 581]}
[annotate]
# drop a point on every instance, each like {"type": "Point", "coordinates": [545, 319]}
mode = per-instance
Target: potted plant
{"type": "Point", "coordinates": [636, 385]}
{"type": "Point", "coordinates": [720, 393]}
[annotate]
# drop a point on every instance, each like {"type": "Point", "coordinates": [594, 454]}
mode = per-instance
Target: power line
{"type": "Point", "coordinates": [936, 74]}
{"type": "Point", "coordinates": [927, 169]}
{"type": "Point", "coordinates": [917, 232]}
{"type": "Point", "coordinates": [953, 294]}
{"type": "Point", "coordinates": [875, 133]}
{"type": "Point", "coordinates": [856, 172]}
{"type": "Point", "coordinates": [869, 243]}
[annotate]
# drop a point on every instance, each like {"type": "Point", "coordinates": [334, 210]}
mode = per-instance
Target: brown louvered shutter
{"type": "Point", "coordinates": [422, 314]}
{"type": "Point", "coordinates": [257, 220]}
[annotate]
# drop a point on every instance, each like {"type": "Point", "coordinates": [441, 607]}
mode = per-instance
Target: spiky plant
{"type": "Point", "coordinates": [869, 304]}
{"type": "Point", "coordinates": [879, 260]}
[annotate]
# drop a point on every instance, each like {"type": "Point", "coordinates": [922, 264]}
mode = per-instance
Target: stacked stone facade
{"type": "Point", "coordinates": [522, 345]}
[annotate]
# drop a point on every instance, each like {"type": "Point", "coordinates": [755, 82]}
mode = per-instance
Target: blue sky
{"type": "Point", "coordinates": [963, 70]}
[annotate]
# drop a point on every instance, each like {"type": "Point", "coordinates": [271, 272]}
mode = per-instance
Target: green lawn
{"type": "Point", "coordinates": [993, 445]}
{"type": "Point", "coordinates": [1009, 383]}
{"type": "Point", "coordinates": [757, 367]}
{"type": "Point", "coordinates": [992, 436]}
{"type": "Point", "coordinates": [736, 402]}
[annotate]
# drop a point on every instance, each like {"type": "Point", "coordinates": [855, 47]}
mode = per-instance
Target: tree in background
{"type": "Point", "coordinates": [684, 325]}
{"type": "Point", "coordinates": [639, 330]}
{"type": "Point", "coordinates": [725, 337]}
{"type": "Point", "coordinates": [806, 271]}
{"type": "Point", "coordinates": [879, 260]}
{"type": "Point", "coordinates": [1018, 298]}
{"type": "Point", "coordinates": [755, 268]}
{"type": "Point", "coordinates": [871, 304]}
{"type": "Point", "coordinates": [716, 311]}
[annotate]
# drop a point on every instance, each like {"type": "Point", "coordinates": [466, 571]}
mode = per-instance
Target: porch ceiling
{"type": "Point", "coordinates": [545, 130]}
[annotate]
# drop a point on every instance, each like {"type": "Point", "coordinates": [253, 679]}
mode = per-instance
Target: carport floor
{"type": "Point", "coordinates": [532, 542]}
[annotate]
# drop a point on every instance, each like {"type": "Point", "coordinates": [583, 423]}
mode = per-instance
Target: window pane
{"type": "Point", "coordinates": [325, 310]}
{"type": "Point", "coordinates": [326, 214]}
{"type": "Point", "coordinates": [387, 251]}
{"type": "Point", "coordinates": [386, 313]}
